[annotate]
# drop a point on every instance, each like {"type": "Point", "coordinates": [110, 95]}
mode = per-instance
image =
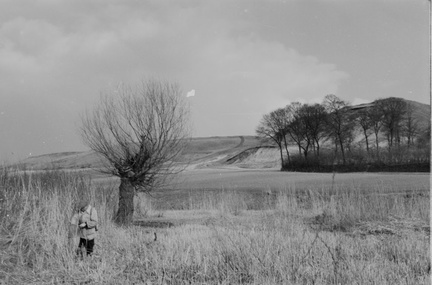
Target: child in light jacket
{"type": "Point", "coordinates": [86, 219]}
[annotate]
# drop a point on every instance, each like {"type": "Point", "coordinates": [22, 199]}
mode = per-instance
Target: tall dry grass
{"type": "Point", "coordinates": [35, 212]}
{"type": "Point", "coordinates": [334, 235]}
{"type": "Point", "coordinates": [343, 207]}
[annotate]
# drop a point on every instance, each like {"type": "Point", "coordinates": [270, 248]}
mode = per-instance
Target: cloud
{"type": "Point", "coordinates": [185, 42]}
{"type": "Point", "coordinates": [250, 78]}
{"type": "Point", "coordinates": [62, 59]}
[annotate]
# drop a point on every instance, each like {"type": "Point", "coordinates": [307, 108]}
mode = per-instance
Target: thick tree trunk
{"type": "Point", "coordinates": [126, 204]}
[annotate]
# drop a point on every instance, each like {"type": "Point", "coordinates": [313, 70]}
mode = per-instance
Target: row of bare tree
{"type": "Point", "coordinates": [336, 123]}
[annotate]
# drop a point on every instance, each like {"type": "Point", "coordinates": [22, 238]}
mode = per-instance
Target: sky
{"type": "Point", "coordinates": [234, 60]}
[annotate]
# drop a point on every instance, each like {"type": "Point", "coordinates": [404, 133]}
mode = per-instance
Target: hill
{"type": "Point", "coordinates": [421, 112]}
{"type": "Point", "coordinates": [200, 153]}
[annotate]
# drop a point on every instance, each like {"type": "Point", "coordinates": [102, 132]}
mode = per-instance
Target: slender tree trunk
{"type": "Point", "coordinates": [391, 138]}
{"type": "Point", "coordinates": [306, 152]}
{"type": "Point", "coordinates": [336, 150]}
{"type": "Point", "coordinates": [398, 137]}
{"type": "Point", "coordinates": [126, 203]}
{"type": "Point", "coordinates": [281, 154]}
{"type": "Point", "coordinates": [377, 144]}
{"type": "Point", "coordinates": [367, 141]}
{"type": "Point", "coordinates": [367, 145]}
{"type": "Point", "coordinates": [342, 150]}
{"type": "Point", "coordinates": [286, 149]}
{"type": "Point", "coordinates": [317, 148]}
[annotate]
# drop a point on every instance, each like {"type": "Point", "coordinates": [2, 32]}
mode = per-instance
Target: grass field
{"type": "Point", "coordinates": [223, 226]}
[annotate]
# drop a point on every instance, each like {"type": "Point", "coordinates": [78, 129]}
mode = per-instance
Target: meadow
{"type": "Point", "coordinates": [222, 226]}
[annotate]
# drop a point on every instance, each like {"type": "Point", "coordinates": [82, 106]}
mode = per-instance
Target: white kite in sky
{"type": "Point", "coordinates": [191, 93]}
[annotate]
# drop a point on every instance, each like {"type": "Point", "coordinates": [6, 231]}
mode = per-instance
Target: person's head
{"type": "Point", "coordinates": [82, 204]}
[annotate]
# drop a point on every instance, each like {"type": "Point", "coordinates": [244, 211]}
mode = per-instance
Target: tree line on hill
{"type": "Point", "coordinates": [327, 136]}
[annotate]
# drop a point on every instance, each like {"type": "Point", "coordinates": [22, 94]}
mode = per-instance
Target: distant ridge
{"type": "Point", "coordinates": [200, 152]}
{"type": "Point", "coordinates": [243, 151]}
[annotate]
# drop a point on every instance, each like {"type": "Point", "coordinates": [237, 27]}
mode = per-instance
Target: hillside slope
{"type": "Point", "coordinates": [422, 113]}
{"type": "Point", "coordinates": [200, 153]}
{"type": "Point", "coordinates": [63, 160]}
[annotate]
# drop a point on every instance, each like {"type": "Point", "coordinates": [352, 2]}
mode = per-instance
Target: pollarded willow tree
{"type": "Point", "coordinates": [139, 131]}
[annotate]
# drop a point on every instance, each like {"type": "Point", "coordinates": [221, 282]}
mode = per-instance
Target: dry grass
{"type": "Point", "coordinates": [333, 234]}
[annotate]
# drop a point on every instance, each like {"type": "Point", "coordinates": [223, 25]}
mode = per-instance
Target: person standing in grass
{"type": "Point", "coordinates": [86, 219]}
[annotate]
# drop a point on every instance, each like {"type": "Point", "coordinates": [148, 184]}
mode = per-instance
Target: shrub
{"type": "Point", "coordinates": [356, 162]}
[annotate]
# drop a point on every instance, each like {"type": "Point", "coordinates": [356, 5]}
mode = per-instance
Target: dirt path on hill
{"type": "Point", "coordinates": [242, 139]}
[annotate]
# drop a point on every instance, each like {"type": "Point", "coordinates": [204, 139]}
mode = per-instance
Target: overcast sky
{"type": "Point", "coordinates": [239, 59]}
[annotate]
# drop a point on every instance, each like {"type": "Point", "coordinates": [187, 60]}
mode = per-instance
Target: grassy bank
{"type": "Point", "coordinates": [333, 234]}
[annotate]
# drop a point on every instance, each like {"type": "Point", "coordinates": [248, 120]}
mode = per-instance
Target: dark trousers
{"type": "Point", "coordinates": [88, 244]}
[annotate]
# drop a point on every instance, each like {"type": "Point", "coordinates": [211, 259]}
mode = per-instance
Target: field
{"type": "Point", "coordinates": [230, 218]}
{"type": "Point", "coordinates": [222, 225]}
